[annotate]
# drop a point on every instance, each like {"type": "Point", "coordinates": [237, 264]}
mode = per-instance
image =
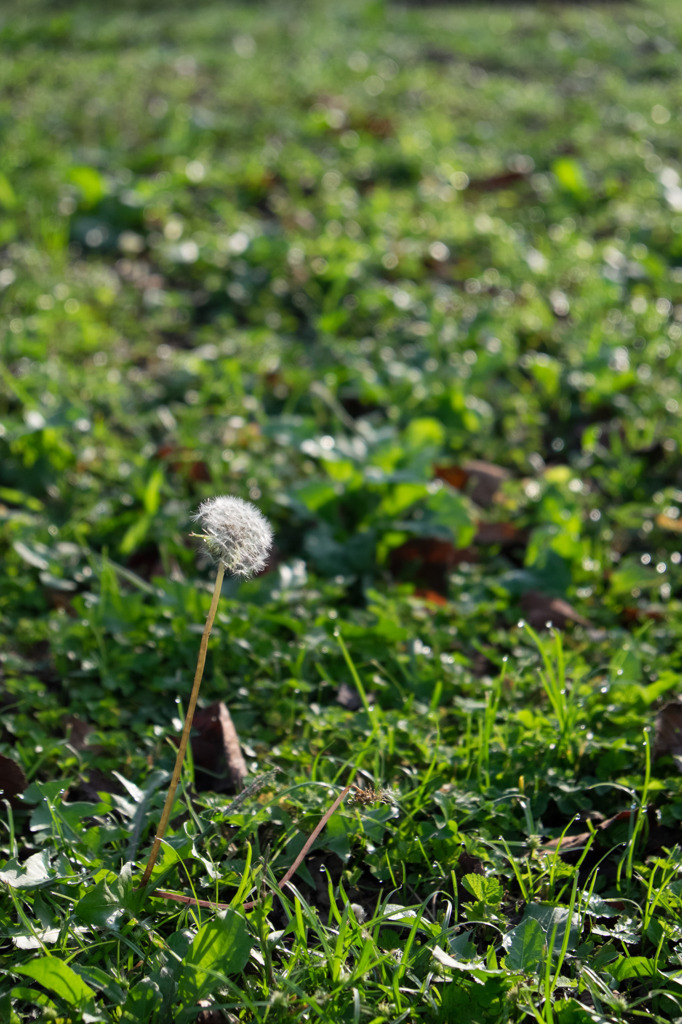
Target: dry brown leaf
{"type": "Point", "coordinates": [668, 523]}
{"type": "Point", "coordinates": [482, 480]}
{"type": "Point", "coordinates": [540, 608]}
{"type": "Point", "coordinates": [216, 750]}
{"type": "Point", "coordinates": [12, 779]}
{"type": "Point", "coordinates": [432, 596]}
{"type": "Point", "coordinates": [184, 462]}
{"type": "Point", "coordinates": [453, 475]}
{"type": "Point", "coordinates": [497, 181]}
{"type": "Point", "coordinates": [566, 844]}
{"type": "Point", "coordinates": [668, 733]}
{"type": "Point", "coordinates": [427, 562]}
{"type": "Point", "coordinates": [499, 533]}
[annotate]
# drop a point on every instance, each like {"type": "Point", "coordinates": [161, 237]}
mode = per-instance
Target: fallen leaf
{"type": "Point", "coordinates": [540, 608]}
{"type": "Point", "coordinates": [184, 462]}
{"type": "Point", "coordinates": [668, 523]}
{"type": "Point", "coordinates": [13, 781]}
{"type": "Point", "coordinates": [216, 751]}
{"type": "Point", "coordinates": [348, 697]}
{"type": "Point", "coordinates": [427, 562]}
{"type": "Point", "coordinates": [453, 475]}
{"type": "Point", "coordinates": [482, 480]}
{"type": "Point", "coordinates": [78, 731]}
{"type": "Point", "coordinates": [432, 596]}
{"type": "Point", "coordinates": [498, 181]}
{"type": "Point", "coordinates": [633, 614]}
{"type": "Point", "coordinates": [499, 533]}
{"type": "Point", "coordinates": [668, 733]}
{"type": "Point", "coordinates": [379, 127]}
{"type": "Point", "coordinates": [566, 844]}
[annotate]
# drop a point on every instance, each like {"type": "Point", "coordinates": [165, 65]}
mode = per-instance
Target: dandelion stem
{"type": "Point", "coordinates": [184, 739]}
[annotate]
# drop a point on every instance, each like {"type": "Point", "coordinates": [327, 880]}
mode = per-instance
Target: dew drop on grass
{"type": "Point", "coordinates": [521, 623]}
{"type": "Point", "coordinates": [604, 689]}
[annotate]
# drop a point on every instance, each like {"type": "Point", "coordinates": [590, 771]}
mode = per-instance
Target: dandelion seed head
{"type": "Point", "coordinates": [236, 533]}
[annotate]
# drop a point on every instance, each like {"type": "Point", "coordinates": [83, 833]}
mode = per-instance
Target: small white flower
{"type": "Point", "coordinates": [236, 534]}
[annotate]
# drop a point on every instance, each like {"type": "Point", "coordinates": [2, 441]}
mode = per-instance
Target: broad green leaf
{"type": "Point", "coordinates": [547, 372]}
{"type": "Point", "coordinates": [220, 947]}
{"type": "Point", "coordinates": [102, 981]}
{"type": "Point", "coordinates": [401, 497]}
{"type": "Point", "coordinates": [597, 907]}
{"type": "Point", "coordinates": [446, 960]}
{"type": "Point", "coordinates": [99, 906]}
{"type": "Point", "coordinates": [474, 884]}
{"type": "Point", "coordinates": [135, 792]}
{"type": "Point", "coordinates": [525, 946]}
{"type": "Point", "coordinates": [338, 836]}
{"type": "Point", "coordinates": [633, 967]}
{"type": "Point", "coordinates": [462, 947]}
{"type": "Point", "coordinates": [571, 177]}
{"type": "Point", "coordinates": [487, 890]}
{"type": "Point", "coordinates": [316, 494]}
{"type": "Point", "coordinates": [632, 575]}
{"type": "Point", "coordinates": [570, 1011]}
{"type": "Point", "coordinates": [90, 182]}
{"type": "Point", "coordinates": [424, 430]}
{"type": "Point", "coordinates": [130, 898]}
{"type": "Point", "coordinates": [58, 977]}
{"type": "Point", "coordinates": [141, 1002]}
{"type": "Point", "coordinates": [452, 510]}
{"type": "Point", "coordinates": [34, 873]}
{"type": "Point", "coordinates": [32, 996]}
{"type": "Point", "coordinates": [549, 917]}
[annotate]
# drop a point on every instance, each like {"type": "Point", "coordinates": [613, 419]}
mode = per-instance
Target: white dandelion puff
{"type": "Point", "coordinates": [239, 537]}
{"type": "Point", "coordinates": [236, 534]}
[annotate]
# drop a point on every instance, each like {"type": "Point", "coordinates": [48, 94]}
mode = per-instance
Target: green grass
{"type": "Point", "coordinates": [325, 259]}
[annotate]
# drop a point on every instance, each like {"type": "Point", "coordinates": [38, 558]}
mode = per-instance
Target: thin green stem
{"type": "Point", "coordinates": [184, 739]}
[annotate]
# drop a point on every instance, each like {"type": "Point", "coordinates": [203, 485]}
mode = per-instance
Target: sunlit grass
{"type": "Point", "coordinates": [408, 278]}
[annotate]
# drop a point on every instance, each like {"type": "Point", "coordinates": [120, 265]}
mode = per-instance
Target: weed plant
{"type": "Point", "coordinates": [409, 278]}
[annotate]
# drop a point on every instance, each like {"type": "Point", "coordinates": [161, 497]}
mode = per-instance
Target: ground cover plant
{"type": "Point", "coordinates": [409, 279]}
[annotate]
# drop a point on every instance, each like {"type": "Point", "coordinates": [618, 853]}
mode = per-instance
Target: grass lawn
{"type": "Point", "coordinates": [409, 279]}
